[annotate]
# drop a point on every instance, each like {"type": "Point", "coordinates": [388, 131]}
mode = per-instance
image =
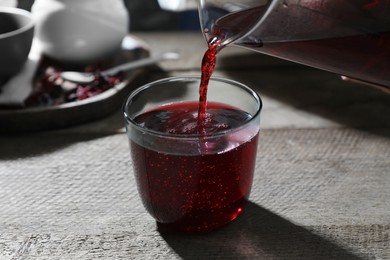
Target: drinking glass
{"type": "Point", "coordinates": [187, 180]}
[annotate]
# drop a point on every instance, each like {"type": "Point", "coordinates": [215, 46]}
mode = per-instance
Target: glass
{"type": "Point", "coordinates": [189, 181]}
{"type": "Point", "coordinates": [349, 38]}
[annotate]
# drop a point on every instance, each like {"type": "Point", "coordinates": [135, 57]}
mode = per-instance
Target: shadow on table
{"type": "Point", "coordinates": [315, 91]}
{"type": "Point", "coordinates": [256, 234]}
{"type": "Point", "coordinates": [36, 144]}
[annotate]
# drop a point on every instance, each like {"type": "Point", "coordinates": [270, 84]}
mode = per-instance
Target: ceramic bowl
{"type": "Point", "coordinates": [16, 35]}
{"type": "Point", "coordinates": [80, 32]}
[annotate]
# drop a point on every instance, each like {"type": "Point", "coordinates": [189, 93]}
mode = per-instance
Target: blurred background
{"type": "Point", "coordinates": [145, 15]}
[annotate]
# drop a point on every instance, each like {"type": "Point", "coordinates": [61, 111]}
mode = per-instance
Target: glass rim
{"type": "Point", "coordinates": [137, 91]}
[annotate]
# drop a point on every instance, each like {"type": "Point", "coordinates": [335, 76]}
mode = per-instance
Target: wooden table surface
{"type": "Point", "coordinates": [321, 188]}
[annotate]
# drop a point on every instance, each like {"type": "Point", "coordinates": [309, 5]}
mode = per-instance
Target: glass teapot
{"type": "Point", "coordinates": [346, 37]}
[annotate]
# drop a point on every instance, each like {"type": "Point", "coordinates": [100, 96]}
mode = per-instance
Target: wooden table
{"type": "Point", "coordinates": [321, 187]}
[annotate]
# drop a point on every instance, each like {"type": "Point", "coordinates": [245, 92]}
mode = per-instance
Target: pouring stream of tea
{"type": "Point", "coordinates": [225, 30]}
{"type": "Point", "coordinates": [208, 64]}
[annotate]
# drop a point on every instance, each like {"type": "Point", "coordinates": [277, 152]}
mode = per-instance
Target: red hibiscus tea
{"type": "Point", "coordinates": [193, 177]}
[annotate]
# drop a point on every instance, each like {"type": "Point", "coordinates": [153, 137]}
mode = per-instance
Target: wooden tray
{"type": "Point", "coordinates": [30, 119]}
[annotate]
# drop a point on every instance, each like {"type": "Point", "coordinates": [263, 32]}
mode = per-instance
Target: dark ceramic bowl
{"type": "Point", "coordinates": [16, 35]}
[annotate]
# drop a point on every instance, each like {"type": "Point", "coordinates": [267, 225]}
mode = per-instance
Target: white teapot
{"type": "Point", "coordinates": [178, 5]}
{"type": "Point", "coordinates": [80, 31]}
